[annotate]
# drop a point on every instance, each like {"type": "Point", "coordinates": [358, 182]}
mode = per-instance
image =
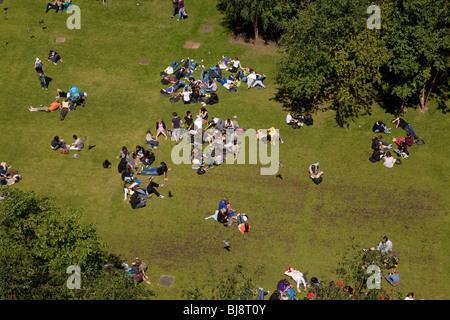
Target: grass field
{"type": "Point", "coordinates": [294, 222]}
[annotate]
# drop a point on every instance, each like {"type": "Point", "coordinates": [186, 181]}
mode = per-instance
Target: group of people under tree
{"type": "Point", "coordinates": [381, 148]}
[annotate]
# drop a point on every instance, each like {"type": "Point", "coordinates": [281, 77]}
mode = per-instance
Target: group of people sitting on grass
{"type": "Point", "coordinates": [8, 176]}
{"type": "Point", "coordinates": [77, 145]}
{"type": "Point", "coordinates": [381, 148]}
{"type": "Point", "coordinates": [65, 101]}
{"type": "Point", "coordinates": [228, 216]}
{"type": "Point", "coordinates": [179, 75]}
{"type": "Point", "coordinates": [285, 290]}
{"type": "Point", "coordinates": [297, 121]}
{"type": "Point", "coordinates": [129, 164]}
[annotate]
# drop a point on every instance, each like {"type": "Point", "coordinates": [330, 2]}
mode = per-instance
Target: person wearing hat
{"type": "Point", "coordinates": [40, 73]}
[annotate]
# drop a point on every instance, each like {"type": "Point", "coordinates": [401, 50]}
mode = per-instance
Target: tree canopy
{"type": "Point", "coordinates": [40, 240]}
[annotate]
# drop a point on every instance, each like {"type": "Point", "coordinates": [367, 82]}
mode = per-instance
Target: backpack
{"type": "Point", "coordinates": [201, 171]}
{"type": "Point", "coordinates": [420, 142]}
{"type": "Point", "coordinates": [106, 164]}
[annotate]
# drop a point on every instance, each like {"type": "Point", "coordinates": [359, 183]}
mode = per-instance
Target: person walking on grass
{"type": "Point", "coordinates": [181, 10]}
{"type": "Point", "coordinates": [40, 73]}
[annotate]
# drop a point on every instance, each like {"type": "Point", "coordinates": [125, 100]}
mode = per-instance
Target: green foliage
{"type": "Point", "coordinates": [252, 17]}
{"type": "Point", "coordinates": [39, 241]}
{"type": "Point", "coordinates": [354, 276]}
{"type": "Point", "coordinates": [332, 58]}
{"type": "Point", "coordinates": [235, 284]}
{"type": "Point", "coordinates": [416, 32]}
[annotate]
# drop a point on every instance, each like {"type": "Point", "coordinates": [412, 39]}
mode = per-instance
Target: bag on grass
{"type": "Point", "coordinates": [420, 142]}
{"type": "Point", "coordinates": [64, 151]}
{"type": "Point", "coordinates": [201, 171]}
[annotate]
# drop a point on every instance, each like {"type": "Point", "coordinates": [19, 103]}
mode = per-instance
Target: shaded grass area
{"type": "Point", "coordinates": [294, 222]}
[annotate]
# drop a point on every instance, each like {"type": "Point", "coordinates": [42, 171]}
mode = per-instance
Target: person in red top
{"type": "Point", "coordinates": [54, 106]}
{"type": "Point", "coordinates": [242, 224]}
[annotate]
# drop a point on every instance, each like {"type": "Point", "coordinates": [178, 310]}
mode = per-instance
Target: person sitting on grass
{"type": "Point", "coordinates": [54, 57]}
{"type": "Point", "coordinates": [77, 145]}
{"type": "Point", "coordinates": [389, 160]}
{"type": "Point", "coordinates": [291, 120]}
{"type": "Point", "coordinates": [408, 139]}
{"type": "Point", "coordinates": [379, 126]}
{"type": "Point", "coordinates": [54, 106]}
{"type": "Point", "coordinates": [160, 128]}
{"type": "Point", "coordinates": [155, 171]}
{"type": "Point", "coordinates": [140, 272]}
{"type": "Point", "coordinates": [56, 143]}
{"type": "Point", "coordinates": [148, 158]}
{"type": "Point", "coordinates": [377, 154]}
{"type": "Point", "coordinates": [378, 142]}
{"type": "Point", "coordinates": [282, 286]}
{"type": "Point", "coordinates": [150, 140]}
{"type": "Point", "coordinates": [137, 202]}
{"type": "Point", "coordinates": [315, 174]}
{"type": "Point", "coordinates": [393, 278]}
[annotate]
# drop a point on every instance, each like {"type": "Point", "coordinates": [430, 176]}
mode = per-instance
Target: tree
{"type": "Point", "coordinates": [354, 271]}
{"type": "Point", "coordinates": [416, 31]}
{"type": "Point", "coordinates": [39, 241]}
{"type": "Point", "coordinates": [357, 75]}
{"type": "Point", "coordinates": [235, 284]}
{"type": "Point", "coordinates": [253, 17]}
{"type": "Point", "coordinates": [331, 57]}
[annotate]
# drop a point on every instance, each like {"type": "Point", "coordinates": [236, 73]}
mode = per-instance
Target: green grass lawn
{"type": "Point", "coordinates": [294, 222]}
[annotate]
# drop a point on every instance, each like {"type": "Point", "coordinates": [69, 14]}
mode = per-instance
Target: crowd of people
{"type": "Point", "coordinates": [381, 148]}
{"type": "Point", "coordinates": [222, 134]}
{"type": "Point", "coordinates": [179, 75]}
{"type": "Point", "coordinates": [285, 290]}
{"type": "Point", "coordinates": [140, 162]}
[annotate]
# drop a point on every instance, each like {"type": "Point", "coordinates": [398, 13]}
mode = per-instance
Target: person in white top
{"type": "Point", "coordinates": [385, 246]}
{"type": "Point", "coordinates": [389, 160]}
{"type": "Point", "coordinates": [236, 65]}
{"type": "Point", "coordinates": [297, 276]}
{"type": "Point", "coordinates": [410, 296]}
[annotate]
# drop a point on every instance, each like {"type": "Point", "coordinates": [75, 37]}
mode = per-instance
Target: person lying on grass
{"type": "Point", "coordinates": [54, 106]}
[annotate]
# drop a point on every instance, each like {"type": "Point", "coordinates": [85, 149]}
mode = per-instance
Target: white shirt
{"type": "Point", "coordinates": [389, 162]}
{"type": "Point", "coordinates": [297, 276]}
{"type": "Point", "coordinates": [186, 95]}
{"type": "Point", "coordinates": [288, 118]}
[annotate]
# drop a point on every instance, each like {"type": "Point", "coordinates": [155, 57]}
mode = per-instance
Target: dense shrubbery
{"type": "Point", "coordinates": [39, 241]}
